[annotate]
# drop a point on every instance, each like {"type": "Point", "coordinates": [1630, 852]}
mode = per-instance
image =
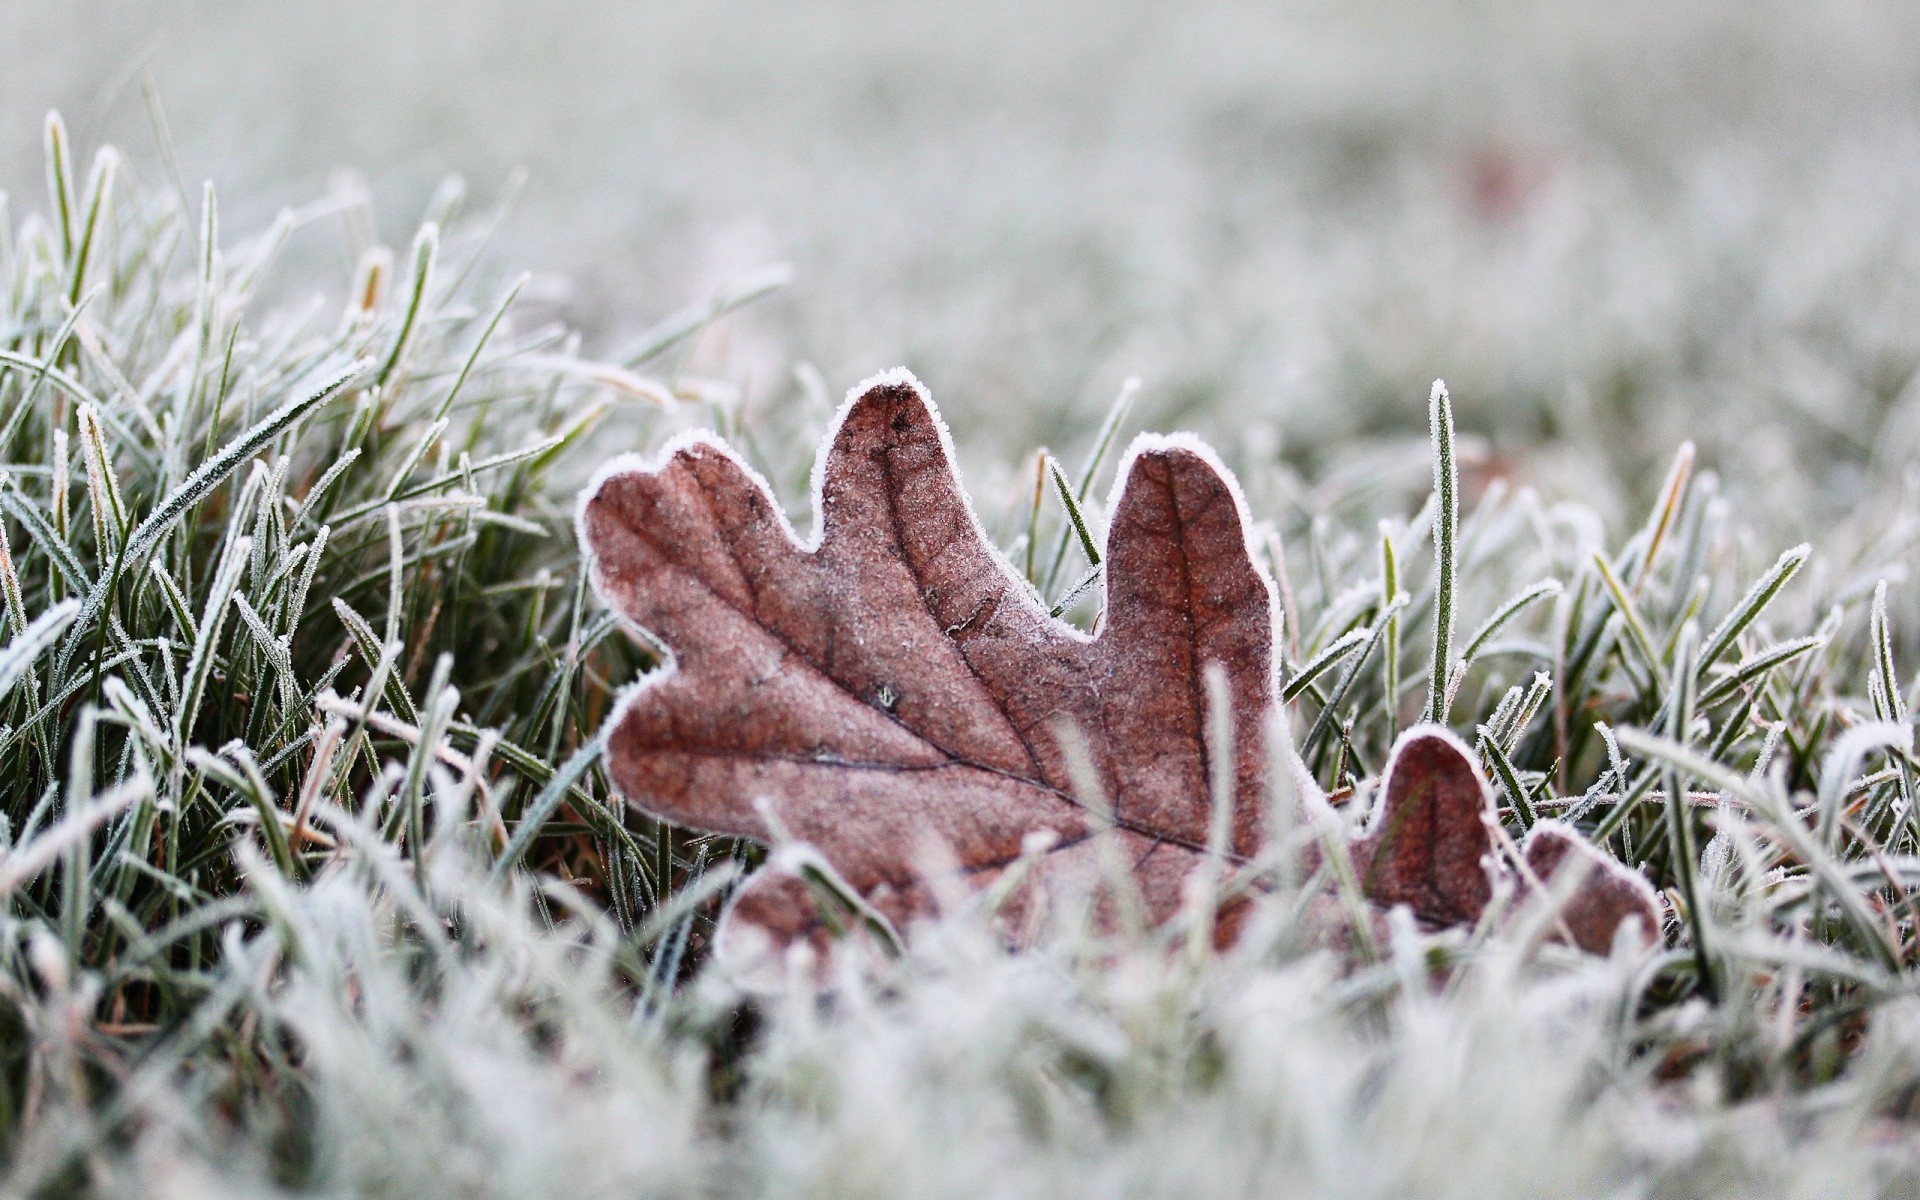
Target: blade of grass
{"type": "Point", "coordinates": [1446, 532]}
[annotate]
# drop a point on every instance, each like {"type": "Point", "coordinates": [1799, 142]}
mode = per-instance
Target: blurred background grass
{"type": "Point", "coordinates": [1608, 226]}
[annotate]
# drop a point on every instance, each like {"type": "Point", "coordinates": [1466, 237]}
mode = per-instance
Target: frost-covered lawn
{"type": "Point", "coordinates": [313, 878]}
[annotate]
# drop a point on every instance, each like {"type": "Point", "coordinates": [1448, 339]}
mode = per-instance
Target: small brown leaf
{"type": "Point", "coordinates": [1609, 896]}
{"type": "Point", "coordinates": [1429, 847]}
{"type": "Point", "coordinates": [895, 682]}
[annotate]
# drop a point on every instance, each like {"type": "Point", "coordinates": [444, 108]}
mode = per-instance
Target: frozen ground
{"type": "Point", "coordinates": [1611, 228]}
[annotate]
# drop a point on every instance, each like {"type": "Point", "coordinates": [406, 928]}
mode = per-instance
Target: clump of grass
{"type": "Point", "coordinates": [263, 562]}
{"type": "Point", "coordinates": [313, 883]}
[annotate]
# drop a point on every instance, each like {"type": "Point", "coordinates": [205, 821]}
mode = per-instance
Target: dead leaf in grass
{"type": "Point", "coordinates": [1431, 847]}
{"type": "Point", "coordinates": [895, 680]}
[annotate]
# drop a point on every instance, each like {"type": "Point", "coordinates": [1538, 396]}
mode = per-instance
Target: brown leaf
{"type": "Point", "coordinates": [1609, 896]}
{"type": "Point", "coordinates": [897, 679]}
{"type": "Point", "coordinates": [894, 681]}
{"type": "Point", "coordinates": [1429, 847]}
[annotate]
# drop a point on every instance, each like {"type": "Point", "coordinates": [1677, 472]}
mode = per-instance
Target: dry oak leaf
{"type": "Point", "coordinates": [894, 681]}
{"type": "Point", "coordinates": [1431, 845]}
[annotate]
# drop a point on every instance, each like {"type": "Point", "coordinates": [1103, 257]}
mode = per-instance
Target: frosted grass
{"type": "Point", "coordinates": [314, 884]}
